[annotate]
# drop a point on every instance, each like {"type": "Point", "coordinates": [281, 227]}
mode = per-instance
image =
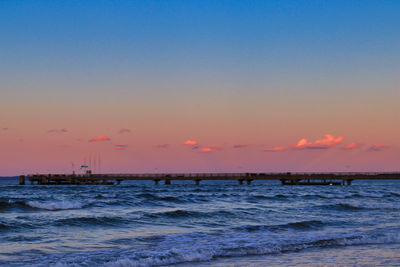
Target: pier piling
{"type": "Point", "coordinates": [22, 180]}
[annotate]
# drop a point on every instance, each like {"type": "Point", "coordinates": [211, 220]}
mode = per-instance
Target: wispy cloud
{"type": "Point", "coordinates": [327, 142]}
{"type": "Point", "coordinates": [62, 130]}
{"type": "Point", "coordinates": [241, 145]}
{"type": "Point", "coordinates": [120, 147]}
{"type": "Point", "coordinates": [378, 147]}
{"type": "Point", "coordinates": [353, 145]}
{"type": "Point", "coordinates": [5, 128]}
{"type": "Point", "coordinates": [100, 139]}
{"type": "Point", "coordinates": [164, 146]}
{"type": "Point", "coordinates": [124, 130]}
{"type": "Point", "coordinates": [190, 143]}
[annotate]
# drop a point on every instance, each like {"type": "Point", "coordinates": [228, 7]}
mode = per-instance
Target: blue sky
{"type": "Point", "coordinates": [239, 72]}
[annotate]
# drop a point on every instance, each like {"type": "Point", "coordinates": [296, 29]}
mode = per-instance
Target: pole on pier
{"type": "Point", "coordinates": [248, 181]}
{"type": "Point", "coordinates": [167, 181]}
{"type": "Point", "coordinates": [22, 180]}
{"type": "Point", "coordinates": [156, 181]}
{"type": "Point", "coordinates": [43, 180]}
{"type": "Point", "coordinates": [240, 181]}
{"type": "Point", "coordinates": [197, 181]}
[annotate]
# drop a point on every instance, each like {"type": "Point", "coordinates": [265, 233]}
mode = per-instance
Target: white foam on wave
{"type": "Point", "coordinates": [198, 250]}
{"type": "Point", "coordinates": [56, 205]}
{"type": "Point", "coordinates": [202, 247]}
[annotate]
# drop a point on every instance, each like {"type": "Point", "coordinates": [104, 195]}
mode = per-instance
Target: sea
{"type": "Point", "coordinates": [216, 223]}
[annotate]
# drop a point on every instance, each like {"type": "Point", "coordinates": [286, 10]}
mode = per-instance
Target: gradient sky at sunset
{"type": "Point", "coordinates": [200, 86]}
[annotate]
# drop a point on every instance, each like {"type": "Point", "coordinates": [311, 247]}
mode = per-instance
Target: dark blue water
{"type": "Point", "coordinates": [216, 223]}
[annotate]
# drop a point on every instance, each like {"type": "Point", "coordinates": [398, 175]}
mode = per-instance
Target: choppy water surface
{"type": "Point", "coordinates": [216, 223]}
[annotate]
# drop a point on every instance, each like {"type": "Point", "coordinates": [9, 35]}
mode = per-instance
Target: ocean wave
{"type": "Point", "coordinates": [94, 221]}
{"type": "Point", "coordinates": [326, 196]}
{"type": "Point", "coordinates": [301, 225]}
{"type": "Point", "coordinates": [5, 226]}
{"type": "Point", "coordinates": [14, 225]}
{"type": "Point", "coordinates": [175, 214]}
{"type": "Point", "coordinates": [370, 195]}
{"type": "Point", "coordinates": [352, 207]}
{"type": "Point", "coordinates": [45, 205]}
{"type": "Point", "coordinates": [201, 247]}
{"type": "Point", "coordinates": [152, 197]}
{"type": "Point", "coordinates": [10, 204]}
{"type": "Point", "coordinates": [57, 205]}
{"type": "Point", "coordinates": [22, 238]}
{"type": "Point", "coordinates": [274, 197]}
{"type": "Point", "coordinates": [346, 196]}
{"type": "Point", "coordinates": [345, 206]}
{"type": "Point", "coordinates": [189, 214]}
{"type": "Point", "coordinates": [244, 246]}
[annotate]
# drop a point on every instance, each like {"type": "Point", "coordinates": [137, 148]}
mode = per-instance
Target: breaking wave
{"type": "Point", "coordinates": [175, 249]}
{"type": "Point", "coordinates": [57, 205]}
{"type": "Point", "coordinates": [44, 205]}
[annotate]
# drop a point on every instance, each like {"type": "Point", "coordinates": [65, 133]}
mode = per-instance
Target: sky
{"type": "Point", "coordinates": [199, 86]}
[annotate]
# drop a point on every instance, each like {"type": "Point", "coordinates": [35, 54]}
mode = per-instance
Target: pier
{"type": "Point", "coordinates": [344, 178]}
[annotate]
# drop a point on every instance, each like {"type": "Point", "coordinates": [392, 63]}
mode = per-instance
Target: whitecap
{"type": "Point", "coordinates": [56, 205]}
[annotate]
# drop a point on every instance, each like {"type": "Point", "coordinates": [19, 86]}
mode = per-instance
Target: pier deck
{"type": "Point", "coordinates": [285, 178]}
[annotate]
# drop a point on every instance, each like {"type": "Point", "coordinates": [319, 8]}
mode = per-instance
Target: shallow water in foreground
{"type": "Point", "coordinates": [216, 223]}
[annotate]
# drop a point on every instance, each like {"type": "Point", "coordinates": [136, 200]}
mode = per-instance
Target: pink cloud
{"type": "Point", "coordinates": [124, 130]}
{"type": "Point", "coordinates": [205, 149]}
{"type": "Point", "coordinates": [353, 145]}
{"type": "Point", "coordinates": [190, 143]}
{"type": "Point", "coordinates": [209, 148]}
{"type": "Point", "coordinates": [165, 146]}
{"type": "Point", "coordinates": [99, 139]}
{"type": "Point", "coordinates": [5, 129]}
{"type": "Point", "coordinates": [378, 147]}
{"type": "Point", "coordinates": [63, 130]}
{"type": "Point", "coordinates": [214, 147]}
{"type": "Point", "coordinates": [327, 142]}
{"type": "Point", "coordinates": [277, 149]}
{"type": "Point", "coordinates": [241, 145]}
{"type": "Point", "coordinates": [120, 147]}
